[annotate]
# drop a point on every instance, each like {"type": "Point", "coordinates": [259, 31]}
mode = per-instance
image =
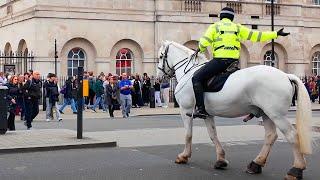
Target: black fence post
{"type": "Point", "coordinates": [44, 102]}
{"type": "Point", "coordinates": [3, 109]}
{"type": "Point", "coordinates": [80, 103]}
{"type": "Point", "coordinates": [152, 99]}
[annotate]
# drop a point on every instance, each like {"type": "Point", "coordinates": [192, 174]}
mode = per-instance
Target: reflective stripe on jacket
{"type": "Point", "coordinates": [224, 38]}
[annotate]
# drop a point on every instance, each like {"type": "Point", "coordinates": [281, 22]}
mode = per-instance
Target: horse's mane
{"type": "Point", "coordinates": [189, 51]}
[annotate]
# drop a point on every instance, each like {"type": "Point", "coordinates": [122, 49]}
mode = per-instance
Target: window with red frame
{"type": "Point", "coordinates": [124, 60]}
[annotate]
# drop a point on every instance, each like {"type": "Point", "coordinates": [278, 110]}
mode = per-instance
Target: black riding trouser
{"type": "Point", "coordinates": [210, 69]}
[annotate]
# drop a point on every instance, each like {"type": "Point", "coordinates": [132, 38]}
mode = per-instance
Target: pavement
{"type": "Point", "coordinates": [37, 140]}
{"type": "Point", "coordinates": [49, 139]}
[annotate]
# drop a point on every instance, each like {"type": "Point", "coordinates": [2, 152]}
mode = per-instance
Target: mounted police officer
{"type": "Point", "coordinates": [224, 38]}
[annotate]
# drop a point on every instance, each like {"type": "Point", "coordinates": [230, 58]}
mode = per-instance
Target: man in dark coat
{"type": "Point", "coordinates": [32, 96]}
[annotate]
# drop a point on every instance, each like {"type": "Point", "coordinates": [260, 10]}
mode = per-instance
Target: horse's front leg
{"type": "Point", "coordinates": [221, 162]}
{"type": "Point", "coordinates": [186, 154]}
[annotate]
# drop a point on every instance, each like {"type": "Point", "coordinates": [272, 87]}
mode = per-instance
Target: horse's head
{"type": "Point", "coordinates": [164, 66]}
{"type": "Point", "coordinates": [174, 56]}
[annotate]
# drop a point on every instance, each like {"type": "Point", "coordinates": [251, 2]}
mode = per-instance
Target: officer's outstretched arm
{"type": "Point", "coordinates": [256, 36]}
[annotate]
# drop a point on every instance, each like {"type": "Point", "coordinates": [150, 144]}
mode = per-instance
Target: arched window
{"type": "Point", "coordinates": [124, 60]}
{"type": "Point", "coordinates": [316, 63]}
{"type": "Point", "coordinates": [268, 59]}
{"type": "Point", "coordinates": [76, 58]}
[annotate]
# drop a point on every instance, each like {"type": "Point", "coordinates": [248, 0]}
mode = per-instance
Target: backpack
{"type": "Point", "coordinates": [63, 90]}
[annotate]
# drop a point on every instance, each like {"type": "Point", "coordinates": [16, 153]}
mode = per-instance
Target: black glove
{"type": "Point", "coordinates": [281, 33]}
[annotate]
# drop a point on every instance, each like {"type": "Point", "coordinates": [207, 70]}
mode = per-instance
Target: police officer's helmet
{"type": "Point", "coordinates": [227, 12]}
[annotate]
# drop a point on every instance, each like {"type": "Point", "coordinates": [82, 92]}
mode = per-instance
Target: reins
{"type": "Point", "coordinates": [187, 60]}
{"type": "Point", "coordinates": [180, 64]}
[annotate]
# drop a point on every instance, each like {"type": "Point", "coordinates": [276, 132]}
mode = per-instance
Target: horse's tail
{"type": "Point", "coordinates": [303, 116]}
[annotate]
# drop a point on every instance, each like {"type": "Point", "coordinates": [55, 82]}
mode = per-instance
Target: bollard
{"type": "Point", "coordinates": [80, 103]}
{"type": "Point", "coordinates": [152, 98]}
{"type": "Point", "coordinates": [3, 109]}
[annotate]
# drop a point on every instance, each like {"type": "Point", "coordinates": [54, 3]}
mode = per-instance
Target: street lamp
{"type": "Point", "coordinates": [272, 29]}
{"type": "Point", "coordinates": [55, 56]}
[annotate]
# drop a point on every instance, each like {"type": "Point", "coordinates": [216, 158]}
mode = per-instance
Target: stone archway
{"type": "Point", "coordinates": [22, 47]}
{"type": "Point", "coordinates": [136, 56]}
{"type": "Point", "coordinates": [314, 59]}
{"type": "Point", "coordinates": [86, 47]}
{"type": "Point", "coordinates": [8, 49]}
{"type": "Point", "coordinates": [22, 51]}
{"type": "Point", "coordinates": [282, 55]}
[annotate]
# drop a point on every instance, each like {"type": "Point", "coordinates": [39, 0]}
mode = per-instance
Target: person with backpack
{"type": "Point", "coordinates": [99, 94]}
{"type": "Point", "coordinates": [92, 88]}
{"type": "Point", "coordinates": [66, 90]}
{"type": "Point", "coordinates": [52, 97]}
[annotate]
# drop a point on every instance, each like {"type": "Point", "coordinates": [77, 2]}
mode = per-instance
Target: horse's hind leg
{"type": "Point", "coordinates": [186, 154]}
{"type": "Point", "coordinates": [299, 164]}
{"type": "Point", "coordinates": [211, 127]}
{"type": "Point", "coordinates": [296, 172]}
{"type": "Point", "coordinates": [255, 167]}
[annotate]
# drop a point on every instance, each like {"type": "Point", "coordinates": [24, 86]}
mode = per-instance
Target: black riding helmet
{"type": "Point", "coordinates": [227, 12]}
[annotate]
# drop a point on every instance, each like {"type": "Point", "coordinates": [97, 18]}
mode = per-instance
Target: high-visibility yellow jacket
{"type": "Point", "coordinates": [224, 38]}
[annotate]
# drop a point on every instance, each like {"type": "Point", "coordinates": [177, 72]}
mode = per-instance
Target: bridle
{"type": "Point", "coordinates": [171, 72]}
{"type": "Point", "coordinates": [164, 57]}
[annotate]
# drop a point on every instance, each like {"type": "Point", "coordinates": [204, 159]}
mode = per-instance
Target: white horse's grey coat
{"type": "Point", "coordinates": [262, 90]}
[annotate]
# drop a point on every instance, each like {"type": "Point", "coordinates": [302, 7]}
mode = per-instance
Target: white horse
{"type": "Point", "coordinates": [261, 90]}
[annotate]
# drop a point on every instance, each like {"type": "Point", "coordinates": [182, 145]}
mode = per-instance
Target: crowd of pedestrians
{"type": "Point", "coordinates": [106, 92]}
{"type": "Point", "coordinates": [24, 92]}
{"type": "Point", "coordinates": [312, 85]}
{"type": "Point", "coordinates": [112, 92]}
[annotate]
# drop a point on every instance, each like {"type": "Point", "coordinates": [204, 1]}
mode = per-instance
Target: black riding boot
{"type": "Point", "coordinates": [200, 108]}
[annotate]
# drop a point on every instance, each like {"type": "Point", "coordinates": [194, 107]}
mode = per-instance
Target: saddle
{"type": "Point", "coordinates": [216, 83]}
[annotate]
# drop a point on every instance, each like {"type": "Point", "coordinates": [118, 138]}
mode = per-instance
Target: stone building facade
{"type": "Point", "coordinates": [125, 35]}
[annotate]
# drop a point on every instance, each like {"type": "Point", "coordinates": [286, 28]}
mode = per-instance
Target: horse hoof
{"type": "Point", "coordinates": [294, 174]}
{"type": "Point", "coordinates": [289, 177]}
{"type": "Point", "coordinates": [181, 160]}
{"type": "Point", "coordinates": [221, 164]}
{"type": "Point", "coordinates": [254, 168]}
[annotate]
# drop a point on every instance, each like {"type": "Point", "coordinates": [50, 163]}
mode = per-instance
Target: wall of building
{"type": "Point", "coordinates": [101, 28]}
